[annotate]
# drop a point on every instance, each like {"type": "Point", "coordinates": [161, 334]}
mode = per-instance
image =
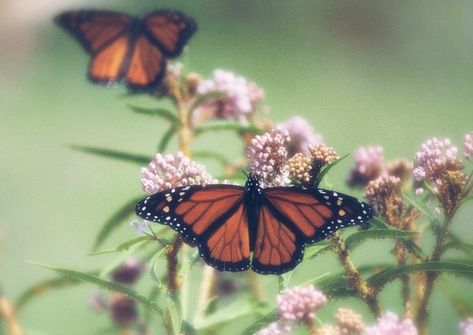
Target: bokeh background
{"type": "Point", "coordinates": [392, 73]}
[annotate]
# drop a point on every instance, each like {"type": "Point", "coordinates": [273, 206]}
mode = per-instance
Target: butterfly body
{"type": "Point", "coordinates": [126, 48]}
{"type": "Point", "coordinates": [236, 227]}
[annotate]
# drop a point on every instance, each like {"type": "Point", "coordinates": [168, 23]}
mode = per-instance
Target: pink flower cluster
{"type": "Point", "coordinates": [294, 305]}
{"type": "Point", "coordinates": [267, 156]}
{"type": "Point", "coordinates": [468, 145]}
{"type": "Point", "coordinates": [299, 303]}
{"type": "Point", "coordinates": [369, 164]}
{"type": "Point", "coordinates": [168, 171]}
{"type": "Point", "coordinates": [302, 135]}
{"type": "Point", "coordinates": [390, 324]}
{"type": "Point", "coordinates": [466, 326]}
{"type": "Point", "coordinates": [434, 158]}
{"type": "Point", "coordinates": [240, 96]}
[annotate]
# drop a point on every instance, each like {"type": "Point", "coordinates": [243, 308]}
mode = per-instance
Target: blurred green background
{"type": "Point", "coordinates": [392, 73]}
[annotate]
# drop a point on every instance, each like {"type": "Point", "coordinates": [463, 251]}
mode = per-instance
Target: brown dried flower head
{"type": "Point", "coordinates": [349, 322]}
{"type": "Point", "coordinates": [300, 167]}
{"type": "Point", "coordinates": [384, 194]}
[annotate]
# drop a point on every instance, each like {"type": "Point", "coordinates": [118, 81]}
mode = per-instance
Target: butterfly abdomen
{"type": "Point", "coordinates": [252, 202]}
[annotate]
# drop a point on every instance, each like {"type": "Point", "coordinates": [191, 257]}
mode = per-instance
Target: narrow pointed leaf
{"type": "Point", "coordinates": [327, 169]}
{"type": "Point", "coordinates": [316, 249]}
{"type": "Point", "coordinates": [108, 285]}
{"type": "Point", "coordinates": [114, 154]}
{"type": "Point", "coordinates": [421, 207]}
{"type": "Point", "coordinates": [359, 237]}
{"type": "Point", "coordinates": [395, 272]}
{"type": "Point", "coordinates": [260, 323]}
{"type": "Point", "coordinates": [115, 220]}
{"type": "Point", "coordinates": [160, 112]}
{"type": "Point", "coordinates": [284, 279]}
{"type": "Point", "coordinates": [167, 136]}
{"type": "Point", "coordinates": [44, 287]}
{"type": "Point", "coordinates": [227, 313]}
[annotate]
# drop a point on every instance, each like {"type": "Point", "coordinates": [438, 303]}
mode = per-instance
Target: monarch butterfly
{"type": "Point", "coordinates": [229, 222]}
{"type": "Point", "coordinates": [125, 48]}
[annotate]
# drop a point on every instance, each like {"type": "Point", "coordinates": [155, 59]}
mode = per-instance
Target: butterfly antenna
{"type": "Point", "coordinates": [245, 173]}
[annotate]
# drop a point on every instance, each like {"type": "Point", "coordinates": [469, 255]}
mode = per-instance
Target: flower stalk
{"type": "Point", "coordinates": [366, 293]}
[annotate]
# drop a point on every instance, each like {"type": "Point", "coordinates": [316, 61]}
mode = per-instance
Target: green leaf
{"type": "Point", "coordinates": [284, 279]}
{"type": "Point", "coordinates": [379, 223]}
{"type": "Point", "coordinates": [421, 207]}
{"type": "Point", "coordinates": [227, 313]}
{"type": "Point", "coordinates": [394, 272]}
{"type": "Point", "coordinates": [357, 238]}
{"type": "Point", "coordinates": [316, 249]}
{"type": "Point", "coordinates": [219, 125]}
{"type": "Point", "coordinates": [327, 169]}
{"type": "Point", "coordinates": [154, 261]}
{"type": "Point", "coordinates": [108, 285]}
{"type": "Point", "coordinates": [175, 312]}
{"type": "Point", "coordinates": [122, 247]}
{"type": "Point", "coordinates": [212, 155]}
{"type": "Point", "coordinates": [160, 112]}
{"type": "Point", "coordinates": [43, 287]}
{"type": "Point", "coordinates": [167, 136]}
{"type": "Point", "coordinates": [409, 244]}
{"type": "Point", "coordinates": [260, 323]}
{"type": "Point", "coordinates": [204, 98]}
{"type": "Point", "coordinates": [113, 154]}
{"type": "Point", "coordinates": [115, 220]}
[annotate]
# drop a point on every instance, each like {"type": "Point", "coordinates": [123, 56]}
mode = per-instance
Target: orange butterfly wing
{"type": "Point", "coordinates": [278, 248]}
{"type": "Point", "coordinates": [211, 217]}
{"type": "Point", "coordinates": [317, 213]}
{"type": "Point", "coordinates": [126, 48]}
{"type": "Point", "coordinates": [147, 64]}
{"type": "Point", "coordinates": [105, 35]}
{"type": "Point", "coordinates": [170, 30]}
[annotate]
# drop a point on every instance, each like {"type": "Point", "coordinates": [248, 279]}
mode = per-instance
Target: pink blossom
{"type": "Point", "coordinates": [239, 100]}
{"type": "Point", "coordinates": [276, 328]}
{"type": "Point", "coordinates": [369, 164]}
{"type": "Point", "coordinates": [468, 145]}
{"type": "Point", "coordinates": [302, 135]}
{"type": "Point", "coordinates": [168, 171]}
{"type": "Point", "coordinates": [299, 303]}
{"type": "Point", "coordinates": [390, 324]}
{"type": "Point", "coordinates": [435, 157]}
{"type": "Point", "coordinates": [466, 326]}
{"type": "Point", "coordinates": [267, 156]}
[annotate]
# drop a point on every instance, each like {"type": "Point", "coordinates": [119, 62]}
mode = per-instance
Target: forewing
{"type": "Point", "coordinates": [170, 30]}
{"type": "Point", "coordinates": [147, 64]}
{"type": "Point", "coordinates": [278, 248]}
{"type": "Point", "coordinates": [211, 217]}
{"type": "Point", "coordinates": [93, 28]}
{"type": "Point", "coordinates": [317, 213]}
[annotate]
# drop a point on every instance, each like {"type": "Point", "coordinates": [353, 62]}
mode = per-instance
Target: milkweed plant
{"type": "Point", "coordinates": [156, 284]}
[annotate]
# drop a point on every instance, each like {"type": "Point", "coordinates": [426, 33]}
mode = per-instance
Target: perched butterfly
{"type": "Point", "coordinates": [125, 48]}
{"type": "Point", "coordinates": [237, 227]}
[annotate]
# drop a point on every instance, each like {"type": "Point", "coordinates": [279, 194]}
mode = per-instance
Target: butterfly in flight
{"type": "Point", "coordinates": [237, 227]}
{"type": "Point", "coordinates": [129, 49]}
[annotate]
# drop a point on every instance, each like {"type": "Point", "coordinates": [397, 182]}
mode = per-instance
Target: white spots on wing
{"type": "Point", "coordinates": [166, 209]}
{"type": "Point", "coordinates": [143, 208]}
